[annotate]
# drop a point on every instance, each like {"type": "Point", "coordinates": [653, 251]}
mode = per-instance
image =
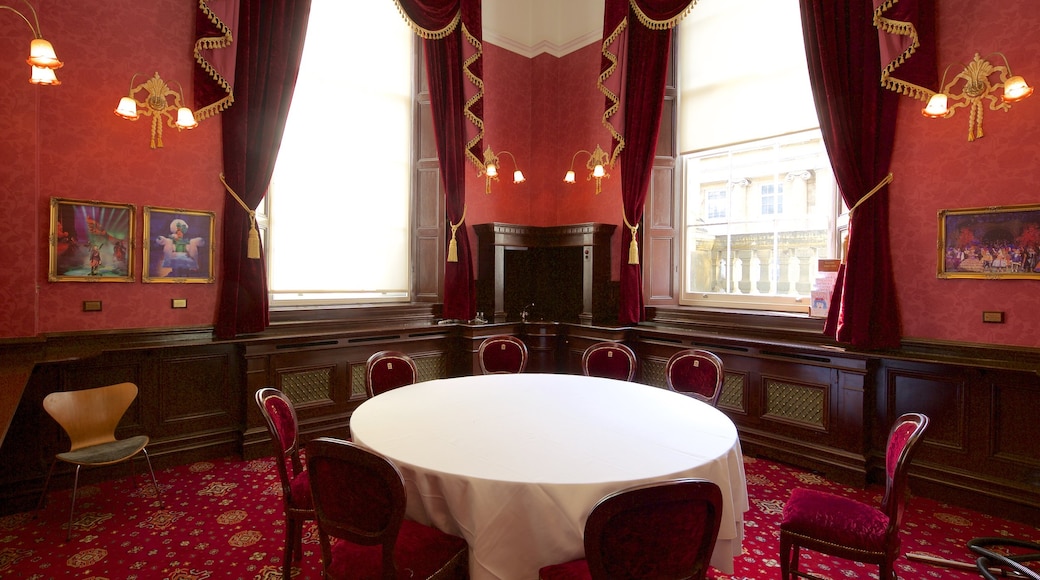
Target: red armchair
{"type": "Point", "coordinates": [502, 354]}
{"type": "Point", "coordinates": [360, 501]}
{"type": "Point", "coordinates": [697, 373]}
{"type": "Point", "coordinates": [611, 360]}
{"type": "Point", "coordinates": [661, 530]}
{"type": "Point", "coordinates": [282, 425]}
{"type": "Point", "coordinates": [846, 528]}
{"type": "Point", "coordinates": [388, 369]}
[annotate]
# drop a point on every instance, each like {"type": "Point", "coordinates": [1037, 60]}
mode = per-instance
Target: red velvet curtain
{"type": "Point", "coordinates": [269, 38]}
{"type": "Point", "coordinates": [857, 117]}
{"type": "Point", "coordinates": [646, 49]}
{"type": "Point", "coordinates": [447, 28]}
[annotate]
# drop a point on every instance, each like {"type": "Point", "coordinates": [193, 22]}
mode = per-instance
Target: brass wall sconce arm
{"type": "Point", "coordinates": [596, 165]}
{"type": "Point", "coordinates": [42, 59]}
{"type": "Point", "coordinates": [160, 101]}
{"type": "Point", "coordinates": [981, 80]}
{"type": "Point", "coordinates": [491, 165]}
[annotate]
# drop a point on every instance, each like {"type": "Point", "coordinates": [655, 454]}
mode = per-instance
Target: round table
{"type": "Point", "coordinates": [515, 463]}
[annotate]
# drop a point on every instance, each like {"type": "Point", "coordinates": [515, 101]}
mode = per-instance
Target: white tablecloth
{"type": "Point", "coordinates": [515, 463]}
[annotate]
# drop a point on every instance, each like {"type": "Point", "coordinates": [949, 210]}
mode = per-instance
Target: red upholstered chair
{"type": "Point", "coordinates": [846, 528]}
{"type": "Point", "coordinates": [611, 360]}
{"type": "Point", "coordinates": [280, 414]}
{"type": "Point", "coordinates": [388, 369]}
{"type": "Point", "coordinates": [660, 530]}
{"type": "Point", "coordinates": [360, 500]}
{"type": "Point", "coordinates": [697, 373]}
{"type": "Point", "coordinates": [502, 354]}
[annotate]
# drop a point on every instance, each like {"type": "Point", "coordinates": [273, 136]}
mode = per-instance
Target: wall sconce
{"type": "Point", "coordinates": [42, 59]}
{"type": "Point", "coordinates": [596, 165]}
{"type": "Point", "coordinates": [491, 168]}
{"type": "Point", "coordinates": [161, 101]}
{"type": "Point", "coordinates": [978, 85]}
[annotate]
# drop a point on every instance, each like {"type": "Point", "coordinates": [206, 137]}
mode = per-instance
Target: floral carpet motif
{"type": "Point", "coordinates": [223, 519]}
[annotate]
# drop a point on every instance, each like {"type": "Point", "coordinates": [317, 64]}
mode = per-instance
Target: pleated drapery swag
{"type": "Point", "coordinates": [269, 42]}
{"type": "Point", "coordinates": [637, 35]}
{"type": "Point", "coordinates": [215, 57]}
{"type": "Point", "coordinates": [452, 42]}
{"type": "Point", "coordinates": [848, 46]}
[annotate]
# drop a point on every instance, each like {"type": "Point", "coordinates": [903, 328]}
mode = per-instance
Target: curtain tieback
{"type": "Point", "coordinates": [633, 246]}
{"type": "Point", "coordinates": [877, 188]}
{"type": "Point", "coordinates": [453, 246]}
{"type": "Point", "coordinates": [253, 246]}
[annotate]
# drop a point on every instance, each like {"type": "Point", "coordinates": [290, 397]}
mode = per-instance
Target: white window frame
{"type": "Point", "coordinates": [350, 130]}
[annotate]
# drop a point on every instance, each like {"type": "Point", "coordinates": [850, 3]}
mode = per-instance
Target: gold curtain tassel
{"type": "Point", "coordinates": [633, 246]}
{"type": "Point", "coordinates": [253, 245]}
{"type": "Point", "coordinates": [253, 242]}
{"type": "Point", "coordinates": [453, 246]}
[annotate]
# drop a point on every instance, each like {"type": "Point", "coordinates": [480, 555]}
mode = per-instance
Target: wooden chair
{"type": "Point", "coordinates": [846, 528]}
{"type": "Point", "coordinates": [611, 360]}
{"type": "Point", "coordinates": [697, 373]}
{"type": "Point", "coordinates": [90, 418]}
{"type": "Point", "coordinates": [663, 530]}
{"type": "Point", "coordinates": [360, 499]}
{"type": "Point", "coordinates": [502, 354]}
{"type": "Point", "coordinates": [283, 427]}
{"type": "Point", "coordinates": [387, 370]}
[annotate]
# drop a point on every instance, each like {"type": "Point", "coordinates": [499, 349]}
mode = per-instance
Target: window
{"type": "Point", "coordinates": [761, 206]}
{"type": "Point", "coordinates": [337, 214]}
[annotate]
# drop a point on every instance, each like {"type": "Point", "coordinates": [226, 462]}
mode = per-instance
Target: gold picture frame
{"type": "Point", "coordinates": [178, 245]}
{"type": "Point", "coordinates": [998, 242]}
{"type": "Point", "coordinates": [91, 241]}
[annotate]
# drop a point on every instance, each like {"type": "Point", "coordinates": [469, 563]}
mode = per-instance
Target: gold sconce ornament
{"type": "Point", "coordinates": [42, 59]}
{"type": "Point", "coordinates": [596, 165]}
{"type": "Point", "coordinates": [161, 102]}
{"type": "Point", "coordinates": [979, 83]}
{"type": "Point", "coordinates": [491, 165]}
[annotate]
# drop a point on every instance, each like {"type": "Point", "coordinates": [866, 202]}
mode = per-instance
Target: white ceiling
{"type": "Point", "coordinates": [531, 27]}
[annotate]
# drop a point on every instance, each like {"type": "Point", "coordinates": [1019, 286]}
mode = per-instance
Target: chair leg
{"type": "Point", "coordinates": [155, 484]}
{"type": "Point", "coordinates": [72, 504]}
{"type": "Point", "coordinates": [291, 530]}
{"type": "Point", "coordinates": [46, 484]}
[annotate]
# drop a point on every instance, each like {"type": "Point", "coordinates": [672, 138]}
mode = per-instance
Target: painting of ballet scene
{"type": "Point", "coordinates": [178, 245]}
{"type": "Point", "coordinates": [993, 242]}
{"type": "Point", "coordinates": [91, 241]}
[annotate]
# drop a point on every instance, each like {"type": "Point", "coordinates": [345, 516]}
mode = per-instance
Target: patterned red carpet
{"type": "Point", "coordinates": [223, 520]}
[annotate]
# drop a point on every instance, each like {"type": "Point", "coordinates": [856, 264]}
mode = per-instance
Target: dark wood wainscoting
{"type": "Point", "coordinates": [793, 397]}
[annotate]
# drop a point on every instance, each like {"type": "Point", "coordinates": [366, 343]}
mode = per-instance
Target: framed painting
{"type": "Point", "coordinates": [990, 242]}
{"type": "Point", "coordinates": [91, 241]}
{"type": "Point", "coordinates": [178, 245]}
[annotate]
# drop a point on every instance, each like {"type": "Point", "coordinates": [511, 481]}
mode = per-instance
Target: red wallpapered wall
{"type": "Point", "coordinates": [935, 168]}
{"type": "Point", "coordinates": [66, 142]}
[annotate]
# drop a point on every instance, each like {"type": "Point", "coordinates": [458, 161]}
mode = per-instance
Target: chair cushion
{"type": "Point", "coordinates": [835, 519]}
{"type": "Point", "coordinates": [300, 487]}
{"type": "Point", "coordinates": [566, 571]}
{"type": "Point", "coordinates": [419, 553]}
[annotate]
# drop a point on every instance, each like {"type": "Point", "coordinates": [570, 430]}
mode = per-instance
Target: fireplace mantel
{"type": "Point", "coordinates": [519, 265]}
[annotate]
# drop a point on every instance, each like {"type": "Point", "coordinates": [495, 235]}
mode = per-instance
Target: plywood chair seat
{"type": "Point", "coordinates": [106, 453]}
{"type": "Point", "coordinates": [90, 418]}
